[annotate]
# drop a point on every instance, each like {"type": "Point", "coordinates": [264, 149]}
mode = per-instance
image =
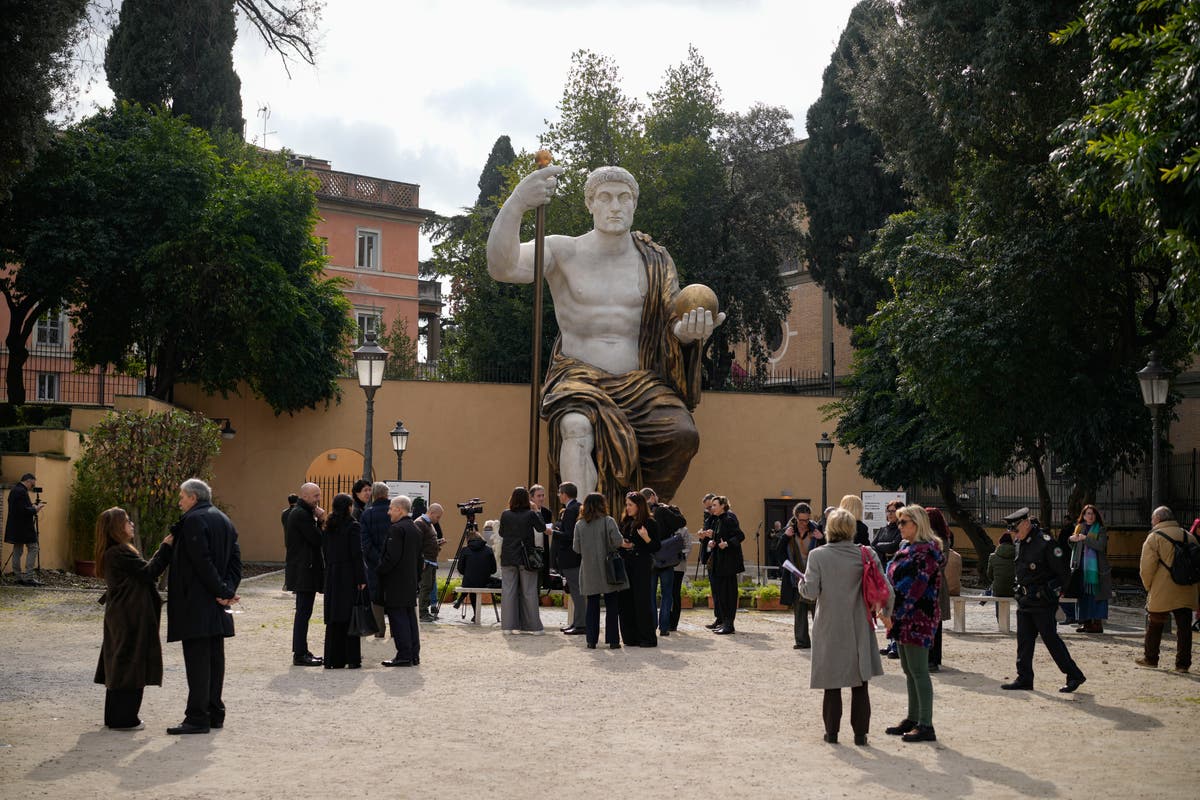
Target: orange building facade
{"type": "Point", "coordinates": [369, 228]}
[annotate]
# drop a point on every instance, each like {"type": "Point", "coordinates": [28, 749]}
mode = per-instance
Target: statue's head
{"type": "Point", "coordinates": [611, 194]}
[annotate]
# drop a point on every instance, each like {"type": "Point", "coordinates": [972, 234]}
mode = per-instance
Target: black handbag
{"type": "Point", "coordinates": [362, 618]}
{"type": "Point", "coordinates": [533, 558]}
{"type": "Point", "coordinates": [1074, 584]}
{"type": "Point", "coordinates": [614, 568]}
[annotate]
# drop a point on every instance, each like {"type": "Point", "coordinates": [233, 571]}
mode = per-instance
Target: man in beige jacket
{"type": "Point", "coordinates": [1165, 597]}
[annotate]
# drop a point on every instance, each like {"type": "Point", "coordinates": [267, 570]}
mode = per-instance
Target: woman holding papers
{"type": "Point", "coordinates": [844, 651]}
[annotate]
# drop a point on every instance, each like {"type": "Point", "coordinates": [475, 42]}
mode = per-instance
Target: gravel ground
{"type": "Point", "coordinates": [513, 716]}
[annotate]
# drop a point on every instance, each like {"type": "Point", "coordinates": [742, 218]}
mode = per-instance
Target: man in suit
{"type": "Point", "coordinates": [566, 560]}
{"type": "Point", "coordinates": [206, 568]}
{"type": "Point", "coordinates": [304, 571]}
{"type": "Point", "coordinates": [20, 529]}
{"type": "Point", "coordinates": [399, 576]}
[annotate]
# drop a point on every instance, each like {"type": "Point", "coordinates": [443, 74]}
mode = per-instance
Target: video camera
{"type": "Point", "coordinates": [471, 507]}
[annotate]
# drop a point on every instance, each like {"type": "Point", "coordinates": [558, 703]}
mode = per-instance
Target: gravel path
{"type": "Point", "coordinates": [487, 715]}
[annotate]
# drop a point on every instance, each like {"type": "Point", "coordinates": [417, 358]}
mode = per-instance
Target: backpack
{"type": "Point", "coordinates": [874, 586]}
{"type": "Point", "coordinates": [670, 553]}
{"type": "Point", "coordinates": [1185, 566]}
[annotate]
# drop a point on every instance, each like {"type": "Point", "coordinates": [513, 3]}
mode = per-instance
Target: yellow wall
{"type": "Point", "coordinates": [471, 440]}
{"type": "Point", "coordinates": [50, 460]}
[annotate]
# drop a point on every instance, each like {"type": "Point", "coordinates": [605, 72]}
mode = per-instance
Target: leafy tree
{"type": "Point", "coordinates": [846, 193]}
{"type": "Point", "coordinates": [181, 54]}
{"type": "Point", "coordinates": [996, 264]}
{"type": "Point", "coordinates": [401, 349]}
{"type": "Point", "coordinates": [1135, 151]}
{"type": "Point", "coordinates": [163, 242]}
{"type": "Point", "coordinates": [36, 40]}
{"type": "Point", "coordinates": [137, 461]}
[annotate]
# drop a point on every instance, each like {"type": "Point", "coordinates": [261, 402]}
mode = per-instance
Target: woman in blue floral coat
{"type": "Point", "coordinates": [915, 573]}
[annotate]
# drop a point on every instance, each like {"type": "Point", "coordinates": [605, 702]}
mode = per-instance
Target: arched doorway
{"type": "Point", "coordinates": [335, 471]}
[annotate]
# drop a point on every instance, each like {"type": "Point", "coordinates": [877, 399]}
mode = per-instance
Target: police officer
{"type": "Point", "coordinates": [1041, 574]}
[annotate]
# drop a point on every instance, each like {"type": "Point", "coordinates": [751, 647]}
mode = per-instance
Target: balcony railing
{"type": "Point", "coordinates": [364, 189]}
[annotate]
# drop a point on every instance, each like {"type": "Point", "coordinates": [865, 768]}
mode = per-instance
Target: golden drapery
{"type": "Point", "coordinates": [643, 428]}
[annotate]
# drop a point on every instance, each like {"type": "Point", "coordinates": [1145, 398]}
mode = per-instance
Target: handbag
{"type": "Point", "coordinates": [362, 618]}
{"type": "Point", "coordinates": [1074, 584]}
{"type": "Point", "coordinates": [533, 558]}
{"type": "Point", "coordinates": [614, 568]}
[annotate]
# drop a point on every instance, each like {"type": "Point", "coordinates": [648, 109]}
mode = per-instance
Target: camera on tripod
{"type": "Point", "coordinates": [471, 507]}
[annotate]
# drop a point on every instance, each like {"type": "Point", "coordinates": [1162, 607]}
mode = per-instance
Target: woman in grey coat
{"type": "Point", "coordinates": [597, 535]}
{"type": "Point", "coordinates": [845, 652]}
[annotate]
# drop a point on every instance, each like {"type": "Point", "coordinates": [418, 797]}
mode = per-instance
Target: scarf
{"type": "Point", "coordinates": [1091, 565]}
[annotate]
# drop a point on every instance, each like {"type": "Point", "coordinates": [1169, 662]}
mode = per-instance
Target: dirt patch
{"type": "Point", "coordinates": [506, 716]}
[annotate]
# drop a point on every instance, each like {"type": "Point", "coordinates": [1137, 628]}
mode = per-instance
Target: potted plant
{"type": "Point", "coordinates": [768, 598]}
{"type": "Point", "coordinates": [685, 596]}
{"type": "Point", "coordinates": [746, 593]}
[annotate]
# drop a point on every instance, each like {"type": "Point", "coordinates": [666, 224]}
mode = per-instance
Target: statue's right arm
{"type": "Point", "coordinates": [508, 259]}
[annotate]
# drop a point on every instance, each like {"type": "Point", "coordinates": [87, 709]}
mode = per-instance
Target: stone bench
{"type": "Point", "coordinates": [958, 609]}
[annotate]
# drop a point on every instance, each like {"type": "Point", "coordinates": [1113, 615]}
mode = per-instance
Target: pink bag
{"type": "Point", "coordinates": [874, 585]}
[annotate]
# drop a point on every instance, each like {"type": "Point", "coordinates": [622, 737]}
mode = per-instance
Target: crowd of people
{"type": "Point", "coordinates": [374, 559]}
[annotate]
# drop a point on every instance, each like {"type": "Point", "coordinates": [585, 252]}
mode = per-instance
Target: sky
{"type": "Point", "coordinates": [419, 91]}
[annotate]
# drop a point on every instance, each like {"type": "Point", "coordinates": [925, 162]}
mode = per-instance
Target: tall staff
{"type": "Point", "coordinates": [542, 159]}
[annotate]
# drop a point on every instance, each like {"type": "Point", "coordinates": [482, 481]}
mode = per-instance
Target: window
{"type": "Point", "coordinates": [47, 386]}
{"type": "Point", "coordinates": [368, 322]}
{"type": "Point", "coordinates": [324, 245]}
{"type": "Point", "coordinates": [51, 329]}
{"type": "Point", "coordinates": [368, 249]}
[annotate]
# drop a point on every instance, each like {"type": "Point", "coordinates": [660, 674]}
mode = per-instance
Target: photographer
{"type": "Point", "coordinates": [21, 529]}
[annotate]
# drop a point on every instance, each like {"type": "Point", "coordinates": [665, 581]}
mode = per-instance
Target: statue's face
{"type": "Point", "coordinates": [612, 207]}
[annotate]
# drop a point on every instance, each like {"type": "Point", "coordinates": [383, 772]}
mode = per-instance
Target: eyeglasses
{"type": "Point", "coordinates": [904, 522]}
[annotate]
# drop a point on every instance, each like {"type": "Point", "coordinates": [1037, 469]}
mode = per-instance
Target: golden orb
{"type": "Point", "coordinates": [694, 296]}
{"type": "Point", "coordinates": [542, 158]}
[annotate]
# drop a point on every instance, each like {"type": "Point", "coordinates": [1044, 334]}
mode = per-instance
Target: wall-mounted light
{"type": "Point", "coordinates": [227, 431]}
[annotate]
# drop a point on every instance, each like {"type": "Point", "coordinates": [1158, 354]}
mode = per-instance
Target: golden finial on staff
{"type": "Point", "coordinates": [542, 158]}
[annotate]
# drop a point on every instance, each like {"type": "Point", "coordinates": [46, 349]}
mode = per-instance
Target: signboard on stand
{"type": "Point", "coordinates": [874, 506]}
{"type": "Point", "coordinates": [414, 490]}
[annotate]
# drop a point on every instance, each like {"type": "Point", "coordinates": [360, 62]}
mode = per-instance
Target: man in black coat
{"type": "Point", "coordinates": [20, 529]}
{"type": "Point", "coordinates": [304, 571]}
{"type": "Point", "coordinates": [399, 576]}
{"type": "Point", "coordinates": [373, 530]}
{"type": "Point", "coordinates": [566, 560]}
{"type": "Point", "coordinates": [429, 524]}
{"type": "Point", "coordinates": [794, 546]}
{"type": "Point", "coordinates": [206, 568]}
{"type": "Point", "coordinates": [1041, 573]}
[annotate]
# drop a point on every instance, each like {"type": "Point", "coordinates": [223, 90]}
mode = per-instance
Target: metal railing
{"type": "Point", "coordinates": [50, 375]}
{"type": "Point", "coordinates": [1124, 500]}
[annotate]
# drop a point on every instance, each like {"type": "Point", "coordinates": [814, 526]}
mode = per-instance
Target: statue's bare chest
{"type": "Point", "coordinates": [591, 280]}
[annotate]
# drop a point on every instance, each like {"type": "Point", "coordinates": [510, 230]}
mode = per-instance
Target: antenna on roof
{"type": "Point", "coordinates": [264, 111]}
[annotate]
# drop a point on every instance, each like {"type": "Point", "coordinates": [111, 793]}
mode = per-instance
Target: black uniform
{"type": "Point", "coordinates": [1041, 572]}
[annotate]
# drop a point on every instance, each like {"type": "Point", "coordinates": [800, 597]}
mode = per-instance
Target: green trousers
{"type": "Point", "coordinates": [914, 660]}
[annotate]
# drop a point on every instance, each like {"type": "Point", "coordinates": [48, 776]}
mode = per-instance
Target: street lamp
{"type": "Point", "coordinates": [399, 444]}
{"type": "Point", "coordinates": [368, 360]}
{"type": "Point", "coordinates": [824, 456]}
{"type": "Point", "coordinates": [1155, 385]}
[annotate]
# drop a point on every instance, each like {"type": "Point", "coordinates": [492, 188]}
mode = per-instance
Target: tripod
{"type": "Point", "coordinates": [468, 529]}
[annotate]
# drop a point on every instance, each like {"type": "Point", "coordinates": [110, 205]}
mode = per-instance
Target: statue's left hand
{"type": "Point", "coordinates": [697, 325]}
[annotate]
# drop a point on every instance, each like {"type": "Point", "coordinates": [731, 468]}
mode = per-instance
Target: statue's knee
{"type": "Point", "coordinates": [575, 426]}
{"type": "Point", "coordinates": [688, 438]}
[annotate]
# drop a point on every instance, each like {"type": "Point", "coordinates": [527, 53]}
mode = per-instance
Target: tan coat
{"type": "Point", "coordinates": [1164, 593]}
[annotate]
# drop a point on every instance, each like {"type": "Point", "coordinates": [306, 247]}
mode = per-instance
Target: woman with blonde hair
{"type": "Point", "coordinates": [844, 649]}
{"type": "Point", "coordinates": [915, 573]}
{"type": "Point", "coordinates": [853, 504]}
{"type": "Point", "coordinates": [131, 653]}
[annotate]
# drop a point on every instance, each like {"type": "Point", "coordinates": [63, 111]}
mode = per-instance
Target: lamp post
{"type": "Point", "coordinates": [1155, 385]}
{"type": "Point", "coordinates": [399, 444]}
{"type": "Point", "coordinates": [824, 456]}
{"type": "Point", "coordinates": [368, 360]}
